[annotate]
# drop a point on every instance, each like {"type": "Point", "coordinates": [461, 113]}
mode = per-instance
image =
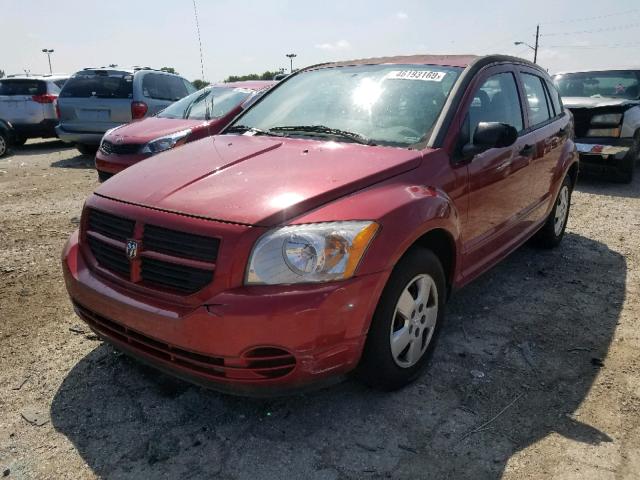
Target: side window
{"type": "Point", "coordinates": [555, 98]}
{"type": "Point", "coordinates": [189, 86]}
{"type": "Point", "coordinates": [536, 99]}
{"type": "Point", "coordinates": [163, 87]}
{"type": "Point", "coordinates": [176, 87]}
{"type": "Point", "coordinates": [496, 100]}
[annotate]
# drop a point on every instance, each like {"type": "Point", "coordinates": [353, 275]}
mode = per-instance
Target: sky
{"type": "Point", "coordinates": [246, 36]}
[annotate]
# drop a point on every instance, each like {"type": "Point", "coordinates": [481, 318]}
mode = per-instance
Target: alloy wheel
{"type": "Point", "coordinates": [562, 209]}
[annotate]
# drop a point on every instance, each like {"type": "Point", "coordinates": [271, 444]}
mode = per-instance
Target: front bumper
{"type": "Point", "coordinates": [262, 341]}
{"type": "Point", "coordinates": [83, 138]}
{"type": "Point", "coordinates": [115, 163]}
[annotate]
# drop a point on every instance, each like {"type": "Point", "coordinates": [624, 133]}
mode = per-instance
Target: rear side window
{"type": "Point", "coordinates": [22, 87]}
{"type": "Point", "coordinates": [496, 100]}
{"type": "Point", "coordinates": [101, 84]}
{"type": "Point", "coordinates": [60, 83]}
{"type": "Point", "coordinates": [163, 87]}
{"type": "Point", "coordinates": [536, 99]}
{"type": "Point", "coordinates": [555, 98]}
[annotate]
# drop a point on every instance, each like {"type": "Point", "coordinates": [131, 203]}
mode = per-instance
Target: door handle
{"type": "Point", "coordinates": [527, 150]}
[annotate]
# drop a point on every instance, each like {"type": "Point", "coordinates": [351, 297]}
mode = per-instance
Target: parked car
{"type": "Point", "coordinates": [7, 137]}
{"type": "Point", "coordinates": [29, 103]}
{"type": "Point", "coordinates": [95, 100]}
{"type": "Point", "coordinates": [201, 114]}
{"type": "Point", "coordinates": [325, 228]}
{"type": "Point", "coordinates": [606, 110]}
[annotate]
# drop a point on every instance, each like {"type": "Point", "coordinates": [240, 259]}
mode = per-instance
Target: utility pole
{"type": "Point", "coordinates": [48, 52]}
{"type": "Point", "coordinates": [291, 56]}
{"type": "Point", "coordinates": [535, 50]}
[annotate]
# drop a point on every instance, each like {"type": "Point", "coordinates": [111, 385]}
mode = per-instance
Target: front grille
{"type": "Point", "coordinates": [182, 244]}
{"type": "Point", "coordinates": [109, 148]}
{"type": "Point", "coordinates": [111, 226]}
{"type": "Point", "coordinates": [186, 263]}
{"type": "Point", "coordinates": [109, 257]}
{"type": "Point", "coordinates": [261, 363]}
{"type": "Point", "coordinates": [174, 276]}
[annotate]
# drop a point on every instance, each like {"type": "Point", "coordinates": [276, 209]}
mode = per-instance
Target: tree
{"type": "Point", "coordinates": [199, 84]}
{"type": "Point", "coordinates": [268, 75]}
{"type": "Point", "coordinates": [169, 70]}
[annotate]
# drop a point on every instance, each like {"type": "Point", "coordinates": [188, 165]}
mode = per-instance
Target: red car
{"type": "Point", "coordinates": [323, 231]}
{"type": "Point", "coordinates": [201, 114]}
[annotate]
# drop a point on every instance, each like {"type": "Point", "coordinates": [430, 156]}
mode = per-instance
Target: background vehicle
{"type": "Point", "coordinates": [198, 115]}
{"type": "Point", "coordinates": [95, 100]}
{"type": "Point", "coordinates": [606, 108]}
{"type": "Point", "coordinates": [7, 137]}
{"type": "Point", "coordinates": [29, 103]}
{"type": "Point", "coordinates": [326, 228]}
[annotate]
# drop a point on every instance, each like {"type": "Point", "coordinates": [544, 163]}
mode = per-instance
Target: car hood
{"type": "Point", "coordinates": [255, 180]}
{"type": "Point", "coordinates": [592, 102]}
{"type": "Point", "coordinates": [147, 129]}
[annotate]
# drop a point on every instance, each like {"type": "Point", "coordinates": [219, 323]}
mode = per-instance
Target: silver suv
{"type": "Point", "coordinates": [29, 105]}
{"type": "Point", "coordinates": [95, 100]}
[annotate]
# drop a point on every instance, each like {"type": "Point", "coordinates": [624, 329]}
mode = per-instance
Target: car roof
{"type": "Point", "coordinates": [60, 76]}
{"type": "Point", "coordinates": [442, 60]}
{"type": "Point", "coordinates": [250, 84]}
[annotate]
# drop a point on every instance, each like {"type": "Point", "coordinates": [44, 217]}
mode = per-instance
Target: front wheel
{"type": "Point", "coordinates": [87, 149]}
{"type": "Point", "coordinates": [406, 322]}
{"type": "Point", "coordinates": [4, 144]}
{"type": "Point", "coordinates": [551, 233]}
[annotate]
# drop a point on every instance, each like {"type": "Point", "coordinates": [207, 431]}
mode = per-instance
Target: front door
{"type": "Point", "coordinates": [499, 190]}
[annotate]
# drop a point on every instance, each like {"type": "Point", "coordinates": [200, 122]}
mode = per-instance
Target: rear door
{"type": "Point", "coordinates": [547, 122]}
{"type": "Point", "coordinates": [96, 100]}
{"type": "Point", "coordinates": [499, 192]}
{"type": "Point", "coordinates": [161, 90]}
{"type": "Point", "coordinates": [17, 104]}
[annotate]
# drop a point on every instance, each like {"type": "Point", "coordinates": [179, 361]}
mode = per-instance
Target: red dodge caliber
{"type": "Point", "coordinates": [323, 230]}
{"type": "Point", "coordinates": [201, 114]}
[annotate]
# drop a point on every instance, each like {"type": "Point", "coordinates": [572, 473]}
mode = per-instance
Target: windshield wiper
{"type": "Point", "coordinates": [323, 130]}
{"type": "Point", "coordinates": [254, 130]}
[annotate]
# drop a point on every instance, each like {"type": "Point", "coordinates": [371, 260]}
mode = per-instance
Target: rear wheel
{"type": "Point", "coordinates": [628, 167]}
{"type": "Point", "coordinates": [553, 229]}
{"type": "Point", "coordinates": [87, 149]}
{"type": "Point", "coordinates": [405, 325]}
{"type": "Point", "coordinates": [4, 144]}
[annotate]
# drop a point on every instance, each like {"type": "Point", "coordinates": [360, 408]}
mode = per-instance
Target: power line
{"type": "Point", "coordinates": [598, 30]}
{"type": "Point", "coordinates": [598, 17]}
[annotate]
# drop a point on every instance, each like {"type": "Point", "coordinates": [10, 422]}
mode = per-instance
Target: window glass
{"type": "Point", "coordinates": [189, 86]}
{"type": "Point", "coordinates": [60, 83]}
{"type": "Point", "coordinates": [163, 87]}
{"type": "Point", "coordinates": [536, 99]}
{"type": "Point", "coordinates": [22, 87]}
{"type": "Point", "coordinates": [496, 100]}
{"type": "Point", "coordinates": [218, 101]}
{"type": "Point", "coordinates": [99, 83]}
{"type": "Point", "coordinates": [387, 104]}
{"type": "Point", "coordinates": [555, 98]}
{"type": "Point", "coordinates": [613, 83]}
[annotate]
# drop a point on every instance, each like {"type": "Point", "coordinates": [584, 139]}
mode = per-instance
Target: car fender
{"type": "Point", "coordinates": [631, 122]}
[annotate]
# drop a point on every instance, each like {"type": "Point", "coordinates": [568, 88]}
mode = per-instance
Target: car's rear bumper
{"type": "Point", "coordinates": [44, 129]}
{"type": "Point", "coordinates": [252, 341]}
{"type": "Point", "coordinates": [115, 163]}
{"type": "Point", "coordinates": [84, 138]}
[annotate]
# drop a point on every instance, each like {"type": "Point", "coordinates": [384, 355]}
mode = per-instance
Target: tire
{"type": "Point", "coordinates": [383, 366]}
{"type": "Point", "coordinates": [19, 141]}
{"type": "Point", "coordinates": [628, 167]}
{"type": "Point", "coordinates": [552, 232]}
{"type": "Point", "coordinates": [4, 144]}
{"type": "Point", "coordinates": [87, 149]}
{"type": "Point", "coordinates": [104, 176]}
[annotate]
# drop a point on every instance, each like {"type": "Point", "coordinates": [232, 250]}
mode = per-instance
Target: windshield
{"type": "Point", "coordinates": [384, 104]}
{"type": "Point", "coordinates": [214, 101]}
{"type": "Point", "coordinates": [617, 84]}
{"type": "Point", "coordinates": [100, 83]}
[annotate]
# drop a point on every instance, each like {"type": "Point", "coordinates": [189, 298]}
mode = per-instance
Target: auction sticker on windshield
{"type": "Point", "coordinates": [425, 75]}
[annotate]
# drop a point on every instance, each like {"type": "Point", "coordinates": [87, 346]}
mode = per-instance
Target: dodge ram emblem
{"type": "Point", "coordinates": [132, 249]}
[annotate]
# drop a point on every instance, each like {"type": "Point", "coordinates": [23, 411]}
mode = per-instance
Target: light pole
{"type": "Point", "coordinates": [291, 56]}
{"type": "Point", "coordinates": [535, 49]}
{"type": "Point", "coordinates": [48, 52]}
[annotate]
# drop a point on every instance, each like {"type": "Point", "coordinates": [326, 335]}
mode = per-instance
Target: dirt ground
{"type": "Point", "coordinates": [537, 373]}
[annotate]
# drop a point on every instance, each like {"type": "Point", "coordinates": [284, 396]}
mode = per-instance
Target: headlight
{"type": "Point", "coordinates": [319, 252]}
{"type": "Point", "coordinates": [607, 119]}
{"type": "Point", "coordinates": [165, 143]}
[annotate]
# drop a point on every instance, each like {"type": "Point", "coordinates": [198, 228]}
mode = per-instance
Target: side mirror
{"type": "Point", "coordinates": [490, 135]}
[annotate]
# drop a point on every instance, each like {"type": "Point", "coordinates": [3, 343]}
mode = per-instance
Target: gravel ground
{"type": "Point", "coordinates": [537, 374]}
